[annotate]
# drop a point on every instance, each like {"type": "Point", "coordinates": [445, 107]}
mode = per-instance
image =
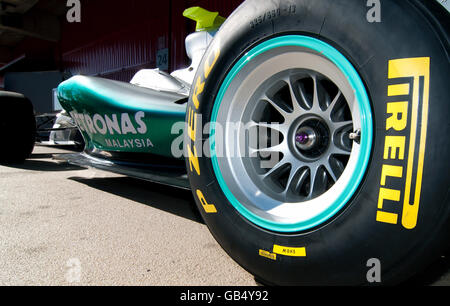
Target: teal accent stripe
{"type": "Point", "coordinates": [366, 129]}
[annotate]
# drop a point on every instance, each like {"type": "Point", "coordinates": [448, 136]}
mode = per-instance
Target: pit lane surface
{"type": "Point", "coordinates": [64, 225]}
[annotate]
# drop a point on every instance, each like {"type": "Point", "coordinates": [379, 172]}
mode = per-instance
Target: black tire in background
{"type": "Point", "coordinates": [17, 127]}
{"type": "Point", "coordinates": [342, 250]}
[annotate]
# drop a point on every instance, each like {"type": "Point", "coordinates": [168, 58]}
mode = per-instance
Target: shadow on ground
{"type": "Point", "coordinates": [41, 162]}
{"type": "Point", "coordinates": [181, 203]}
{"type": "Point", "coordinates": [170, 199]}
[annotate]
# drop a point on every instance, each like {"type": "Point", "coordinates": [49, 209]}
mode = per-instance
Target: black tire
{"type": "Point", "coordinates": [339, 251]}
{"type": "Point", "coordinates": [17, 127]}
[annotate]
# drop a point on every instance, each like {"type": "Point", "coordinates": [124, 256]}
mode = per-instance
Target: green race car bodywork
{"type": "Point", "coordinates": [140, 117]}
{"type": "Point", "coordinates": [121, 117]}
{"type": "Point", "coordinates": [137, 128]}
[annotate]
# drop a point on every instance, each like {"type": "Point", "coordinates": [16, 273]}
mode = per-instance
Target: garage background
{"type": "Point", "coordinates": [39, 48]}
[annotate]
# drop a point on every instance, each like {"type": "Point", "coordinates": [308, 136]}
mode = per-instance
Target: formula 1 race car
{"type": "Point", "coordinates": [312, 134]}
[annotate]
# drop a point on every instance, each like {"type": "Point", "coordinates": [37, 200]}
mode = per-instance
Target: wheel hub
{"type": "Point", "coordinates": [312, 138]}
{"type": "Point", "coordinates": [306, 138]}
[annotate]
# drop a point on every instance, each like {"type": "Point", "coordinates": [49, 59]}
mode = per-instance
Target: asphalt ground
{"type": "Point", "coordinates": [65, 225]}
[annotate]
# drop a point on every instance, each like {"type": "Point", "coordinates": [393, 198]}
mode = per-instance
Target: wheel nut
{"type": "Point", "coordinates": [302, 138]}
{"type": "Point", "coordinates": [305, 138]}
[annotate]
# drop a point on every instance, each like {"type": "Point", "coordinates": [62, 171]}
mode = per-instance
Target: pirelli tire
{"type": "Point", "coordinates": [17, 127]}
{"type": "Point", "coordinates": [383, 213]}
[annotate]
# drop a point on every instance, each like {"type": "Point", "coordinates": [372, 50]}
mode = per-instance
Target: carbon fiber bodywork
{"type": "Point", "coordinates": [163, 172]}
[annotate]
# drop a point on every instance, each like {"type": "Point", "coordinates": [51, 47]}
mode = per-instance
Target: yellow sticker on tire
{"type": "Point", "coordinates": [289, 251]}
{"type": "Point", "coordinates": [267, 254]}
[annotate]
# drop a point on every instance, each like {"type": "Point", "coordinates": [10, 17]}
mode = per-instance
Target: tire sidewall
{"type": "Point", "coordinates": [338, 251]}
{"type": "Point", "coordinates": [18, 127]}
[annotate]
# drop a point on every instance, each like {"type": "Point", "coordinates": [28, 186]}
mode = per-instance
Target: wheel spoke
{"type": "Point", "coordinates": [291, 179]}
{"type": "Point", "coordinates": [272, 149]}
{"type": "Point", "coordinates": [341, 143]}
{"type": "Point", "coordinates": [331, 172]}
{"type": "Point", "coordinates": [266, 125]}
{"type": "Point", "coordinates": [277, 107]}
{"type": "Point", "coordinates": [296, 105]}
{"type": "Point", "coordinates": [301, 180]}
{"type": "Point", "coordinates": [318, 181]}
{"type": "Point", "coordinates": [304, 102]}
{"type": "Point", "coordinates": [339, 151]}
{"type": "Point", "coordinates": [316, 103]}
{"type": "Point", "coordinates": [335, 167]}
{"type": "Point", "coordinates": [275, 170]}
{"type": "Point", "coordinates": [336, 126]}
{"type": "Point", "coordinates": [332, 105]}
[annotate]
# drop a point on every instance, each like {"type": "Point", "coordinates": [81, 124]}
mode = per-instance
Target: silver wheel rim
{"type": "Point", "coordinates": [315, 155]}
